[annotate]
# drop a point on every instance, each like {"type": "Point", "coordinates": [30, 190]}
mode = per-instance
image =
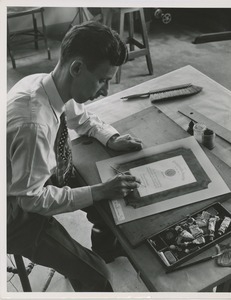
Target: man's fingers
{"type": "Point", "coordinates": [126, 177]}
{"type": "Point", "coordinates": [137, 140]}
{"type": "Point", "coordinates": [124, 137]}
{"type": "Point", "coordinates": [131, 182]}
{"type": "Point", "coordinates": [135, 145]}
{"type": "Point", "coordinates": [128, 137]}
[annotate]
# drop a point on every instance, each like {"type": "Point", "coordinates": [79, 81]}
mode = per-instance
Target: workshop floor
{"type": "Point", "coordinates": [171, 48]}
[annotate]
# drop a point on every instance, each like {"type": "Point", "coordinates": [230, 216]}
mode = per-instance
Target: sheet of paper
{"type": "Point", "coordinates": [163, 175]}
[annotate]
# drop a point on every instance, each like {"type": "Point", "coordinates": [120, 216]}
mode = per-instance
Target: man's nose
{"type": "Point", "coordinates": [104, 89]}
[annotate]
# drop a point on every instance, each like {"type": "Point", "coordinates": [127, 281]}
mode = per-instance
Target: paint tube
{"type": "Point", "coordinates": [211, 226]}
{"type": "Point", "coordinates": [161, 254]}
{"type": "Point", "coordinates": [196, 231]}
{"type": "Point", "coordinates": [184, 233]}
{"type": "Point", "coordinates": [202, 219]}
{"type": "Point", "coordinates": [199, 240]}
{"type": "Point", "coordinates": [224, 225]}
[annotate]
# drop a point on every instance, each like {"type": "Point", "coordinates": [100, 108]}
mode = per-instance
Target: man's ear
{"type": "Point", "coordinates": [76, 67]}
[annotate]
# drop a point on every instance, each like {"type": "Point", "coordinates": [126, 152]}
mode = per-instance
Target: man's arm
{"type": "Point", "coordinates": [86, 123]}
{"type": "Point", "coordinates": [29, 153]}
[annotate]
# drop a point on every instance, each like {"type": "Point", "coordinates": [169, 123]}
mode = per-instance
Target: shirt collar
{"type": "Point", "coordinates": [55, 100]}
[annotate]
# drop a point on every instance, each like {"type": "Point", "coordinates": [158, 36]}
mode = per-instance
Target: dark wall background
{"type": "Point", "coordinates": [203, 19]}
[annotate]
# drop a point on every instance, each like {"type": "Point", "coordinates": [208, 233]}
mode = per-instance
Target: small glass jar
{"type": "Point", "coordinates": [208, 139]}
{"type": "Point", "coordinates": [198, 130]}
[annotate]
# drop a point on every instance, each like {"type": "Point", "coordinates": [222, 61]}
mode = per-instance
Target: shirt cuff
{"type": "Point", "coordinates": [82, 197]}
{"type": "Point", "coordinates": [105, 134]}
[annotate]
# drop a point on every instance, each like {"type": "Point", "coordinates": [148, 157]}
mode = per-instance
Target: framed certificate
{"type": "Point", "coordinates": [165, 175]}
{"type": "Point", "coordinates": [174, 174]}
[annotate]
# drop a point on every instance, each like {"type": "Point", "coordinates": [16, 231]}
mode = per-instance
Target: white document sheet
{"type": "Point", "coordinates": [163, 175]}
{"type": "Point", "coordinates": [123, 213]}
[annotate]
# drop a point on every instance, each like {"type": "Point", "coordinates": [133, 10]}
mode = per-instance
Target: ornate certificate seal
{"type": "Point", "coordinates": [170, 172]}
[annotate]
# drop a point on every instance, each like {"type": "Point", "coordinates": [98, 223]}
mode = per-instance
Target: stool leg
{"type": "Point", "coordinates": [45, 36]}
{"type": "Point", "coordinates": [11, 57]}
{"type": "Point", "coordinates": [87, 15]}
{"type": "Point", "coordinates": [80, 15]}
{"type": "Point", "coordinates": [9, 48]}
{"type": "Point", "coordinates": [145, 41]}
{"type": "Point", "coordinates": [35, 31]}
{"type": "Point", "coordinates": [22, 273]}
{"type": "Point", "coordinates": [131, 31]}
{"type": "Point", "coordinates": [121, 33]}
{"type": "Point", "coordinates": [107, 16]}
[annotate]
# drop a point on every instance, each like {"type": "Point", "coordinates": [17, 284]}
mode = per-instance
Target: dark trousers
{"type": "Point", "coordinates": [45, 241]}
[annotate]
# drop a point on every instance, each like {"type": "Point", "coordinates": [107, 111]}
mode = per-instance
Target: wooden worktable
{"type": "Point", "coordinates": [142, 119]}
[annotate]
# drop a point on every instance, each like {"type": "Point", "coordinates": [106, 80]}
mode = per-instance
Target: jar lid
{"type": "Point", "coordinates": [199, 127]}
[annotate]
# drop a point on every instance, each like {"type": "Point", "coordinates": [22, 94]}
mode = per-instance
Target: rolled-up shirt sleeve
{"type": "Point", "coordinates": [86, 123]}
{"type": "Point", "coordinates": [29, 150]}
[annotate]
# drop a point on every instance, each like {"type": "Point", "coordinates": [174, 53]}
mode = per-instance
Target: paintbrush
{"type": "Point", "coordinates": [121, 173]}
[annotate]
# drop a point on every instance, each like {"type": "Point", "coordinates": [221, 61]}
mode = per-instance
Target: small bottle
{"type": "Point", "coordinates": [208, 139]}
{"type": "Point", "coordinates": [190, 127]}
{"type": "Point", "coordinates": [198, 130]}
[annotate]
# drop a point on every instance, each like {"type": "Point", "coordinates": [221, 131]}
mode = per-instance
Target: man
{"type": "Point", "coordinates": [40, 175]}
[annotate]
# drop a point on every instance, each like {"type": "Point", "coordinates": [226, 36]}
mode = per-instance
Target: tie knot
{"type": "Point", "coordinates": [63, 118]}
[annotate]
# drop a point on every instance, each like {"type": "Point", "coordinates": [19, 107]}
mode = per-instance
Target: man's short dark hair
{"type": "Point", "coordinates": [94, 42]}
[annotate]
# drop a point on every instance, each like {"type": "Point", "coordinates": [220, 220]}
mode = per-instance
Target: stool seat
{"type": "Point", "coordinates": [22, 11]}
{"type": "Point", "coordinates": [13, 12]}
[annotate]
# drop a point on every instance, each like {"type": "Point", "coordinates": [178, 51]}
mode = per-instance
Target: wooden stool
{"type": "Point", "coordinates": [13, 12]}
{"type": "Point", "coordinates": [143, 48]}
{"type": "Point", "coordinates": [23, 273]}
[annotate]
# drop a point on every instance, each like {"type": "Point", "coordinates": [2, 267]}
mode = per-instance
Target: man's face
{"type": "Point", "coordinates": [89, 85]}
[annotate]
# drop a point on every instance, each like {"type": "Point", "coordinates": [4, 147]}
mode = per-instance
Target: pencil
{"type": "Point", "coordinates": [194, 263]}
{"type": "Point", "coordinates": [121, 173]}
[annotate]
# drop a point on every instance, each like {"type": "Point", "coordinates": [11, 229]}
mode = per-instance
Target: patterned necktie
{"type": "Point", "coordinates": [63, 153]}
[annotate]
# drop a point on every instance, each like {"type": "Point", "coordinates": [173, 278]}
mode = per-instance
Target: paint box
{"type": "Point", "coordinates": [174, 247]}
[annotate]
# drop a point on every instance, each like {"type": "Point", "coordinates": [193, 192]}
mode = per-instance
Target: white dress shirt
{"type": "Point", "coordinates": [33, 117]}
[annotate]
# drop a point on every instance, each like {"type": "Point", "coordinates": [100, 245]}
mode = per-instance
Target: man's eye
{"type": "Point", "coordinates": [103, 80]}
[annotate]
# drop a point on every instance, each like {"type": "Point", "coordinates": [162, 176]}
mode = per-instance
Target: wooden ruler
{"type": "Point", "coordinates": [199, 118]}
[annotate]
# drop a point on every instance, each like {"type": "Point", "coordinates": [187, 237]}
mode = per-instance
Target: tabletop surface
{"type": "Point", "coordinates": [112, 109]}
{"type": "Point", "coordinates": [142, 119]}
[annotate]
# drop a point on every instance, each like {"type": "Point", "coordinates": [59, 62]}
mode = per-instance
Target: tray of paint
{"type": "Point", "coordinates": [192, 235]}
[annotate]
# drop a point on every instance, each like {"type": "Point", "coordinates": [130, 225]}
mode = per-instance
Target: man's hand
{"type": "Point", "coordinates": [115, 188]}
{"type": "Point", "coordinates": [124, 143]}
